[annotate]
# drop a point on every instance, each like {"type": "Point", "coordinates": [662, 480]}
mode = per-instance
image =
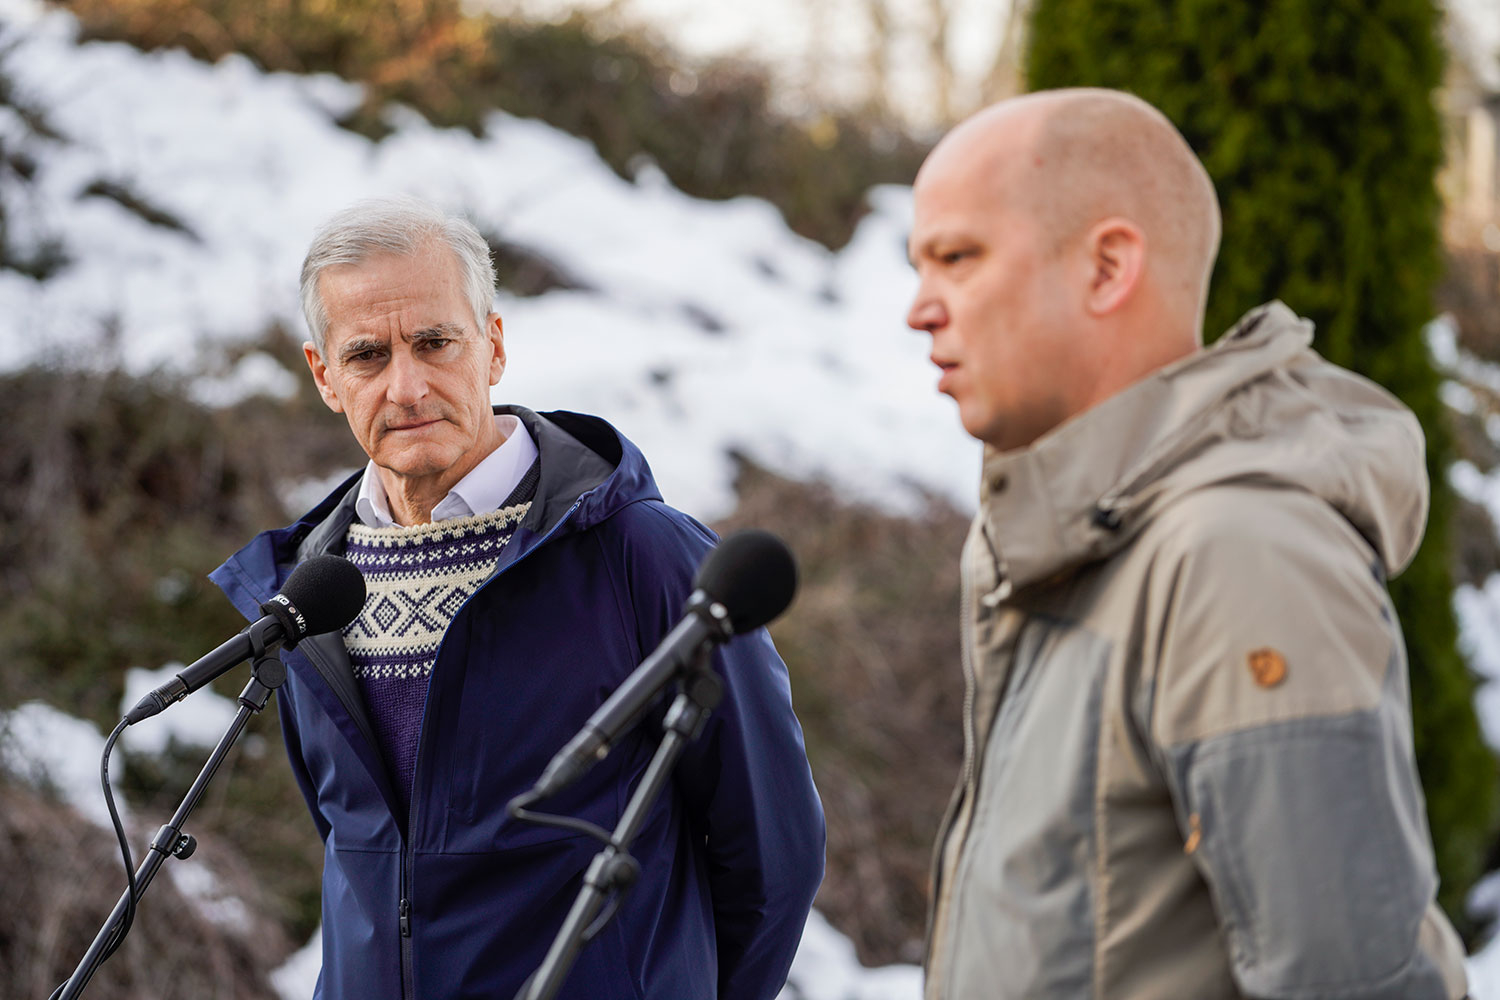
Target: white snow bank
{"type": "Point", "coordinates": [54, 751]}
{"type": "Point", "coordinates": [709, 326]}
{"type": "Point", "coordinates": [200, 719]}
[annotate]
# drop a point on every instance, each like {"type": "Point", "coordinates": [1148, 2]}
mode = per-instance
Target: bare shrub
{"type": "Point", "coordinates": [873, 647]}
{"type": "Point", "coordinates": [62, 878]}
{"type": "Point", "coordinates": [1470, 292]}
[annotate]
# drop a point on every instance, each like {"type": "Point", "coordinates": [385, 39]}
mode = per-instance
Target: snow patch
{"type": "Point", "coordinates": [1484, 972]}
{"type": "Point", "coordinates": [51, 750]}
{"type": "Point", "coordinates": [199, 720]}
{"type": "Point", "coordinates": [256, 374]}
{"type": "Point", "coordinates": [1478, 613]}
{"type": "Point", "coordinates": [826, 968]}
{"type": "Point", "coordinates": [207, 895]}
{"type": "Point", "coordinates": [297, 977]}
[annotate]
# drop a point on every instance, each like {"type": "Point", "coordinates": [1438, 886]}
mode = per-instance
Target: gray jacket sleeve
{"type": "Point", "coordinates": [1280, 715]}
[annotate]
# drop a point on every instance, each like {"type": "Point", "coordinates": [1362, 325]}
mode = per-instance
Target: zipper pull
{"type": "Point", "coordinates": [406, 918]}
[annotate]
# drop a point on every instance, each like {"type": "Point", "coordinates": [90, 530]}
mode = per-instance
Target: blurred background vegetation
{"type": "Point", "coordinates": [123, 491]}
{"type": "Point", "coordinates": [710, 127]}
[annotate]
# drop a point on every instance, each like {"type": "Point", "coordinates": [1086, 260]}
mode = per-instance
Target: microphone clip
{"type": "Point", "coordinates": [712, 613]}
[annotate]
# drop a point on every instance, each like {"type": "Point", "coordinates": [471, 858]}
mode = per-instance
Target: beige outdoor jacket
{"type": "Point", "coordinates": [1188, 770]}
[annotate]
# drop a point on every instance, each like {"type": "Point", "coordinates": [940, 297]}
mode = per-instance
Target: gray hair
{"type": "Point", "coordinates": [402, 226]}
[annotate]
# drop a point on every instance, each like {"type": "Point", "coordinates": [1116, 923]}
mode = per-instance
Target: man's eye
{"type": "Point", "coordinates": [436, 343]}
{"type": "Point", "coordinates": [364, 356]}
{"type": "Point", "coordinates": [954, 256]}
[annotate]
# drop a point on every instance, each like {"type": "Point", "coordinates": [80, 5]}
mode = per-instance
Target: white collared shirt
{"type": "Point", "coordinates": [484, 489]}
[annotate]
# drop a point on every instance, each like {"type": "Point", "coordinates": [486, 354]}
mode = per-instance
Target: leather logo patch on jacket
{"type": "Point", "coordinates": [1267, 666]}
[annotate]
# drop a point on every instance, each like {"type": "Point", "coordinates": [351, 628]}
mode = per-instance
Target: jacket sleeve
{"type": "Point", "coordinates": [1281, 718]}
{"type": "Point", "coordinates": [286, 713]}
{"type": "Point", "coordinates": [745, 782]}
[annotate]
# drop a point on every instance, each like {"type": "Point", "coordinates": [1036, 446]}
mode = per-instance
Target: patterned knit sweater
{"type": "Point", "coordinates": [416, 578]}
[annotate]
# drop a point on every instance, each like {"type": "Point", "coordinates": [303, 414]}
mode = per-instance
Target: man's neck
{"type": "Point", "coordinates": [412, 498]}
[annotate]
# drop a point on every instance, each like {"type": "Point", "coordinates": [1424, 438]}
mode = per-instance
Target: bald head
{"type": "Point", "coordinates": [1064, 242]}
{"type": "Point", "coordinates": [1071, 158]}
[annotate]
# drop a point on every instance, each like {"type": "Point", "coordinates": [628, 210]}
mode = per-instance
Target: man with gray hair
{"type": "Point", "coordinates": [1188, 749]}
{"type": "Point", "coordinates": [519, 566]}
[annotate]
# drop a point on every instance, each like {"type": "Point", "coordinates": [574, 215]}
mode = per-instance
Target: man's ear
{"type": "Point", "coordinates": [1117, 262]}
{"type": "Point", "coordinates": [320, 377]}
{"type": "Point", "coordinates": [494, 330]}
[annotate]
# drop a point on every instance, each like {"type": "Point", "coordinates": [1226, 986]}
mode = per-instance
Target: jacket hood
{"type": "Point", "coordinates": [1259, 407]}
{"type": "Point", "coordinates": [589, 471]}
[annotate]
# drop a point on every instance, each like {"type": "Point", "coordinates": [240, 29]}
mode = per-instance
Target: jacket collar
{"type": "Point", "coordinates": [1086, 488]}
{"type": "Point", "coordinates": [588, 471]}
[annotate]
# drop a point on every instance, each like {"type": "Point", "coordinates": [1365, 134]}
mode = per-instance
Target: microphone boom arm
{"type": "Point", "coordinates": [253, 643]}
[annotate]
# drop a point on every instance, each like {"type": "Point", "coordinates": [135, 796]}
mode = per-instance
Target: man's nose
{"type": "Point", "coordinates": [408, 382]}
{"type": "Point", "coordinates": [926, 314]}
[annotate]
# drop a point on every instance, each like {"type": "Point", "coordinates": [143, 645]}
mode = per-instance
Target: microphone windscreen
{"type": "Point", "coordinates": [752, 573]}
{"type": "Point", "coordinates": [323, 594]}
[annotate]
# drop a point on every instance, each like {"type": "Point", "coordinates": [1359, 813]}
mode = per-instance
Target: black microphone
{"type": "Point", "coordinates": [323, 594]}
{"type": "Point", "coordinates": [745, 582]}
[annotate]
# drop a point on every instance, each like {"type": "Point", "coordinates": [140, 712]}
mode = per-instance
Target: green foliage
{"type": "Point", "coordinates": [1317, 124]}
{"type": "Point", "coordinates": [711, 129]}
{"type": "Point", "coordinates": [117, 480]}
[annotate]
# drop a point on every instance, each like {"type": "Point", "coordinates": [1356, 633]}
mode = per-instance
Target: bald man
{"type": "Point", "coordinates": [1188, 770]}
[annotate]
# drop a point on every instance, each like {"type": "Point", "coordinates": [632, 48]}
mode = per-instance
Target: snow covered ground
{"type": "Point", "coordinates": [707, 327]}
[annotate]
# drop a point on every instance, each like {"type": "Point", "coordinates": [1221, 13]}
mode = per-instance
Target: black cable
{"type": "Point", "coordinates": [517, 809]}
{"type": "Point", "coordinates": [122, 928]}
{"type": "Point", "coordinates": [114, 817]}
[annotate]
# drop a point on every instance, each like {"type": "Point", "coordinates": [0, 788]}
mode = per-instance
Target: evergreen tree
{"type": "Point", "coordinates": [1316, 121]}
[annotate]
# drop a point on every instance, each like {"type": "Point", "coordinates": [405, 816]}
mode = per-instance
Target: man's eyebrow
{"type": "Point", "coordinates": [360, 345]}
{"type": "Point", "coordinates": [931, 243]}
{"type": "Point", "coordinates": [452, 331]}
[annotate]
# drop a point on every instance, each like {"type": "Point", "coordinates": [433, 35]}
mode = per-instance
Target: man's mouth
{"type": "Point", "coordinates": [412, 425]}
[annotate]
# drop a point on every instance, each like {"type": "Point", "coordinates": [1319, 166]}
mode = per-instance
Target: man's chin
{"type": "Point", "coordinates": [417, 463]}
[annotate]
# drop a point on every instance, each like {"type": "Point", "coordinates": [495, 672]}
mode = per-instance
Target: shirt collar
{"type": "Point", "coordinates": [483, 490]}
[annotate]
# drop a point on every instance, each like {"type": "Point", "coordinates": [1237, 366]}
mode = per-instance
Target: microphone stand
{"type": "Point", "coordinates": [268, 674]}
{"type": "Point", "coordinates": [613, 870]}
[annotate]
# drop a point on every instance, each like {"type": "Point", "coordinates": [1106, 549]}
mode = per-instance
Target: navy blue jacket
{"type": "Point", "coordinates": [594, 577]}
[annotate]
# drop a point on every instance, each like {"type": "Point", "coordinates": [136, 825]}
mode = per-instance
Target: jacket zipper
{"type": "Point", "coordinates": [966, 658]}
{"type": "Point", "coordinates": [408, 978]}
{"type": "Point", "coordinates": [408, 853]}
